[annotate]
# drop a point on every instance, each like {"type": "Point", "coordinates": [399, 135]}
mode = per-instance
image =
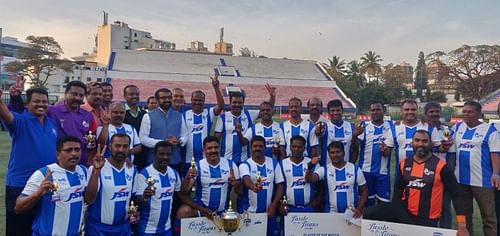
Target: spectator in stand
{"type": "Point", "coordinates": [152, 103]}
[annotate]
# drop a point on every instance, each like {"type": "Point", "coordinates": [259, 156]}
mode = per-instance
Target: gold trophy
{"type": "Point", "coordinates": [55, 195]}
{"type": "Point", "coordinates": [91, 140]}
{"type": "Point", "coordinates": [446, 132]}
{"type": "Point", "coordinates": [150, 181]}
{"type": "Point", "coordinates": [284, 203]}
{"type": "Point", "coordinates": [193, 167]}
{"type": "Point", "coordinates": [230, 220]}
{"type": "Point", "coordinates": [258, 178]}
{"type": "Point", "coordinates": [277, 141]}
{"type": "Point", "coordinates": [132, 210]}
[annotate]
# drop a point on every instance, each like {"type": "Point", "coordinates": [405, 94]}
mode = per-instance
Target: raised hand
{"type": "Point", "coordinates": [18, 87]}
{"type": "Point", "coordinates": [47, 185]}
{"type": "Point", "coordinates": [215, 80]}
{"type": "Point", "coordinates": [98, 161]}
{"type": "Point", "coordinates": [271, 90]}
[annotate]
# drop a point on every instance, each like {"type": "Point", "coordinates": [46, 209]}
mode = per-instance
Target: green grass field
{"type": "Point", "coordinates": [4, 156]}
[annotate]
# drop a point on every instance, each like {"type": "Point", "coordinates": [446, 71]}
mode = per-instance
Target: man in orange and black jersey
{"type": "Point", "coordinates": [418, 193]}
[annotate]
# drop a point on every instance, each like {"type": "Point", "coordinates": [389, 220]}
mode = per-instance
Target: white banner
{"type": "Point", "coordinates": [381, 228]}
{"type": "Point", "coordinates": [256, 224]}
{"type": "Point", "coordinates": [319, 224]}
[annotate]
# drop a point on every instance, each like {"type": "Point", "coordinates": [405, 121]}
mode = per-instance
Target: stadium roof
{"type": "Point", "coordinates": [490, 103]}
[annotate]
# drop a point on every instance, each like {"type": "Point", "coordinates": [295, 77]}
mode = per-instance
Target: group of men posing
{"type": "Point", "coordinates": [113, 169]}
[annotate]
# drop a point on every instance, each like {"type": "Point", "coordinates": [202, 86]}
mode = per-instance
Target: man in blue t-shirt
{"type": "Point", "coordinates": [33, 137]}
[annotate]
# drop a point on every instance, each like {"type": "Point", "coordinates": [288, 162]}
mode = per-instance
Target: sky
{"type": "Point", "coordinates": [310, 29]}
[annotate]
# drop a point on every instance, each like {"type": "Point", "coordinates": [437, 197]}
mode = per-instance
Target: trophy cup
{"type": "Point", "coordinates": [132, 212]}
{"type": "Point", "coordinates": [446, 132]}
{"type": "Point", "coordinates": [91, 140]}
{"type": "Point", "coordinates": [55, 195]}
{"type": "Point", "coordinates": [277, 141]}
{"type": "Point", "coordinates": [193, 167]}
{"type": "Point", "coordinates": [230, 220]}
{"type": "Point", "coordinates": [258, 177]}
{"type": "Point", "coordinates": [284, 203]}
{"type": "Point", "coordinates": [150, 181]}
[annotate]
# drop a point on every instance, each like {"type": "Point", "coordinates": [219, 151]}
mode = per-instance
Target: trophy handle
{"type": "Point", "coordinates": [217, 222]}
{"type": "Point", "coordinates": [242, 217]}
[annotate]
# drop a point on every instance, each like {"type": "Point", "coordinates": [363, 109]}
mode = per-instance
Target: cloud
{"type": "Point", "coordinates": [317, 29]}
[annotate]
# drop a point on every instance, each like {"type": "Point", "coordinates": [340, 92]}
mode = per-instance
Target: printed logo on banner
{"type": "Point", "coordinates": [201, 227]}
{"type": "Point", "coordinates": [304, 222]}
{"type": "Point", "coordinates": [381, 229]}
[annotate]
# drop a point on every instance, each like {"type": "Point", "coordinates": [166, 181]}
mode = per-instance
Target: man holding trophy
{"type": "Point", "coordinates": [155, 187]}
{"type": "Point", "coordinates": [262, 184]}
{"type": "Point", "coordinates": [343, 180]}
{"type": "Point", "coordinates": [56, 192]}
{"type": "Point", "coordinates": [214, 178]}
{"type": "Point", "coordinates": [109, 191]}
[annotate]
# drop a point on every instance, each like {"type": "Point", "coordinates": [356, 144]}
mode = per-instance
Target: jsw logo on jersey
{"type": "Point", "coordinates": [269, 142]}
{"type": "Point", "coordinates": [342, 186]}
{"type": "Point", "coordinates": [466, 145]}
{"type": "Point", "coordinates": [299, 182]}
{"type": "Point", "coordinates": [167, 194]}
{"type": "Point", "coordinates": [75, 194]}
{"type": "Point", "coordinates": [197, 128]}
{"type": "Point", "coordinates": [120, 194]}
{"type": "Point", "coordinates": [379, 139]}
{"type": "Point", "coordinates": [418, 183]}
{"type": "Point", "coordinates": [218, 183]}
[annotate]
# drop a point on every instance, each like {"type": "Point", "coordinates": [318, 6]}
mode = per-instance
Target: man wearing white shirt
{"type": "Point", "coordinates": [270, 131]}
{"type": "Point", "coordinates": [156, 200]}
{"type": "Point", "coordinates": [116, 126]}
{"type": "Point", "coordinates": [56, 191]}
{"type": "Point", "coordinates": [231, 126]}
{"type": "Point", "coordinates": [477, 148]}
{"type": "Point", "coordinates": [109, 191]}
{"type": "Point", "coordinates": [199, 122]}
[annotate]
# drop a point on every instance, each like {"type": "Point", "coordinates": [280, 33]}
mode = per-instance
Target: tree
{"type": "Point", "coordinates": [40, 60]}
{"type": "Point", "coordinates": [421, 75]}
{"type": "Point", "coordinates": [371, 92]}
{"type": "Point", "coordinates": [246, 52]}
{"type": "Point", "coordinates": [394, 79]}
{"type": "Point", "coordinates": [476, 69]}
{"type": "Point", "coordinates": [355, 75]}
{"type": "Point", "coordinates": [428, 94]}
{"type": "Point", "coordinates": [370, 64]}
{"type": "Point", "coordinates": [336, 67]}
{"type": "Point", "coordinates": [437, 96]}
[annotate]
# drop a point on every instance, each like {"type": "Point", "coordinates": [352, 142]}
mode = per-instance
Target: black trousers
{"type": "Point", "coordinates": [397, 213]}
{"type": "Point", "coordinates": [16, 224]}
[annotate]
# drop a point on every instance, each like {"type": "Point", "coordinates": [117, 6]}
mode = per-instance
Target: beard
{"type": "Point", "coordinates": [422, 152]}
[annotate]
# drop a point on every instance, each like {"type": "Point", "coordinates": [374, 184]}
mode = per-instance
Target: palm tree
{"type": "Point", "coordinates": [336, 66]}
{"type": "Point", "coordinates": [355, 74]}
{"type": "Point", "coordinates": [370, 64]}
